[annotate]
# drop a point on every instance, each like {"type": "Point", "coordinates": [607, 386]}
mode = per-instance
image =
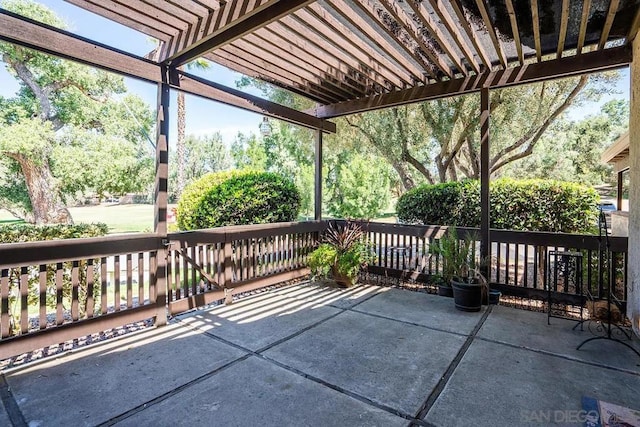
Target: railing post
{"type": "Point", "coordinates": [160, 219]}
{"type": "Point", "coordinates": [485, 172]}
{"type": "Point", "coordinates": [227, 268]}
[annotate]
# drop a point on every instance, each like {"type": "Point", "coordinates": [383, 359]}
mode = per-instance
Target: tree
{"type": "Point", "coordinates": [65, 132]}
{"type": "Point", "coordinates": [248, 152]}
{"type": "Point", "coordinates": [202, 154]}
{"type": "Point", "coordinates": [181, 156]}
{"type": "Point", "coordinates": [438, 141]}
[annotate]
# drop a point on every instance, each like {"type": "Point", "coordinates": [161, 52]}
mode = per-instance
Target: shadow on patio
{"type": "Point", "coordinates": [310, 355]}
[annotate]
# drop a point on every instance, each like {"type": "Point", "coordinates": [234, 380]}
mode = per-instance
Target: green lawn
{"type": "Point", "coordinates": [126, 218]}
{"type": "Point", "coordinates": [119, 218]}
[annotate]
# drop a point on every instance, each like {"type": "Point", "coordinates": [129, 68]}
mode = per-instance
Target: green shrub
{"type": "Point", "coordinates": [193, 194]}
{"type": "Point", "coordinates": [242, 198]}
{"type": "Point", "coordinates": [20, 233]}
{"type": "Point", "coordinates": [15, 233]}
{"type": "Point", "coordinates": [527, 205]}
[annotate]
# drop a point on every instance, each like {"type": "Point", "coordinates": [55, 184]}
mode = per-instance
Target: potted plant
{"type": "Point", "coordinates": [341, 254]}
{"type": "Point", "coordinates": [459, 267]}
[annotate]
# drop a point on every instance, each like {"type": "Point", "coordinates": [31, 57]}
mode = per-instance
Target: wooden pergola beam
{"type": "Point", "coordinates": [452, 28]}
{"type": "Point", "coordinates": [564, 22]}
{"type": "Point", "coordinates": [604, 36]}
{"type": "Point", "coordinates": [592, 62]}
{"type": "Point", "coordinates": [535, 18]}
{"type": "Point", "coordinates": [514, 29]}
{"type": "Point", "coordinates": [586, 6]}
{"type": "Point", "coordinates": [34, 35]}
{"type": "Point", "coordinates": [244, 24]}
{"type": "Point", "coordinates": [466, 26]}
{"type": "Point", "coordinates": [484, 11]}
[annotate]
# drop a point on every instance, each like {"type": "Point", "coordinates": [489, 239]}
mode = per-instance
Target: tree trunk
{"type": "Point", "coordinates": [48, 207]}
{"type": "Point", "coordinates": [180, 148]}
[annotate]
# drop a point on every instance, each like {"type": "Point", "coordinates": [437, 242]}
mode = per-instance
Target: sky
{"type": "Point", "coordinates": [203, 116]}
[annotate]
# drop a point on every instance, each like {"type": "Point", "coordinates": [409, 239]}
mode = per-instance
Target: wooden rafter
{"type": "Point", "coordinates": [452, 28]}
{"type": "Point", "coordinates": [535, 18]}
{"type": "Point", "coordinates": [635, 25]}
{"type": "Point", "coordinates": [262, 67]}
{"type": "Point", "coordinates": [484, 12]}
{"type": "Point", "coordinates": [236, 28]}
{"type": "Point", "coordinates": [415, 33]}
{"type": "Point", "coordinates": [564, 22]}
{"type": "Point", "coordinates": [34, 35]}
{"type": "Point", "coordinates": [584, 19]}
{"type": "Point", "coordinates": [248, 69]}
{"type": "Point", "coordinates": [341, 37]}
{"type": "Point", "coordinates": [327, 56]}
{"type": "Point", "coordinates": [354, 18]}
{"type": "Point", "coordinates": [592, 62]}
{"type": "Point", "coordinates": [188, 15]}
{"type": "Point", "coordinates": [276, 57]}
{"type": "Point", "coordinates": [514, 30]}
{"type": "Point", "coordinates": [611, 13]}
{"type": "Point", "coordinates": [125, 20]}
{"type": "Point", "coordinates": [458, 9]}
{"type": "Point", "coordinates": [188, 6]}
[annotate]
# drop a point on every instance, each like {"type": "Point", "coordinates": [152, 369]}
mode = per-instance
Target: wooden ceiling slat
{"type": "Point", "coordinates": [269, 60]}
{"type": "Point", "coordinates": [185, 15]}
{"type": "Point", "coordinates": [211, 4]}
{"type": "Point", "coordinates": [123, 9]}
{"type": "Point", "coordinates": [448, 22]}
{"type": "Point", "coordinates": [635, 26]}
{"type": "Point", "coordinates": [269, 49]}
{"type": "Point", "coordinates": [188, 6]}
{"type": "Point", "coordinates": [412, 29]}
{"type": "Point", "coordinates": [354, 18]}
{"type": "Point", "coordinates": [584, 19]}
{"type": "Point", "coordinates": [482, 6]}
{"type": "Point", "coordinates": [475, 40]}
{"type": "Point", "coordinates": [279, 38]}
{"type": "Point", "coordinates": [242, 66]}
{"type": "Point", "coordinates": [252, 20]}
{"type": "Point", "coordinates": [123, 20]}
{"type": "Point", "coordinates": [326, 54]}
{"type": "Point", "coordinates": [262, 67]}
{"type": "Point", "coordinates": [338, 35]}
{"type": "Point", "coordinates": [592, 62]}
{"type": "Point", "coordinates": [514, 29]}
{"type": "Point", "coordinates": [611, 14]}
{"type": "Point", "coordinates": [535, 18]}
{"type": "Point", "coordinates": [372, 12]}
{"type": "Point", "coordinates": [155, 14]}
{"type": "Point", "coordinates": [564, 22]}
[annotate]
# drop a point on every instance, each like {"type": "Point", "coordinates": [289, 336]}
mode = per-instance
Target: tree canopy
{"type": "Point", "coordinates": [69, 129]}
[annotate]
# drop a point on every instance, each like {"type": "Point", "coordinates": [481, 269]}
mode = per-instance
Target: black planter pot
{"type": "Point", "coordinates": [445, 291]}
{"type": "Point", "coordinates": [467, 296]}
{"type": "Point", "coordinates": [494, 296]}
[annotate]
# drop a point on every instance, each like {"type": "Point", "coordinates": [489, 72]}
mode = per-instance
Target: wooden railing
{"type": "Point", "coordinates": [59, 290]}
{"type": "Point", "coordinates": [517, 263]}
{"type": "Point", "coordinates": [209, 265]}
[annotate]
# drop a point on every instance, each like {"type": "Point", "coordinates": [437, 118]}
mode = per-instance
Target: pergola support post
{"type": "Point", "coordinates": [485, 172]}
{"type": "Point", "coordinates": [161, 199]}
{"type": "Point", "coordinates": [633, 279]}
{"type": "Point", "coordinates": [619, 190]}
{"type": "Point", "coordinates": [318, 176]}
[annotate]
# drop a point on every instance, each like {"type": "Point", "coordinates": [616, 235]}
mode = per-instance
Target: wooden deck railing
{"type": "Point", "coordinates": [59, 290]}
{"type": "Point", "coordinates": [209, 265]}
{"type": "Point", "coordinates": [517, 262]}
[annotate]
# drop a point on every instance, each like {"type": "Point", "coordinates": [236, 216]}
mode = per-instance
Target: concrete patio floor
{"type": "Point", "coordinates": [311, 355]}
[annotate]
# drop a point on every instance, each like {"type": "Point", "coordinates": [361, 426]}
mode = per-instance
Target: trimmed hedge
{"type": "Point", "coordinates": [193, 194]}
{"type": "Point", "coordinates": [526, 205]}
{"type": "Point", "coordinates": [16, 233]}
{"type": "Point", "coordinates": [237, 199]}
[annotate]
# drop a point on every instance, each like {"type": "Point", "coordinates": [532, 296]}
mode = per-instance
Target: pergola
{"type": "Point", "coordinates": [351, 56]}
